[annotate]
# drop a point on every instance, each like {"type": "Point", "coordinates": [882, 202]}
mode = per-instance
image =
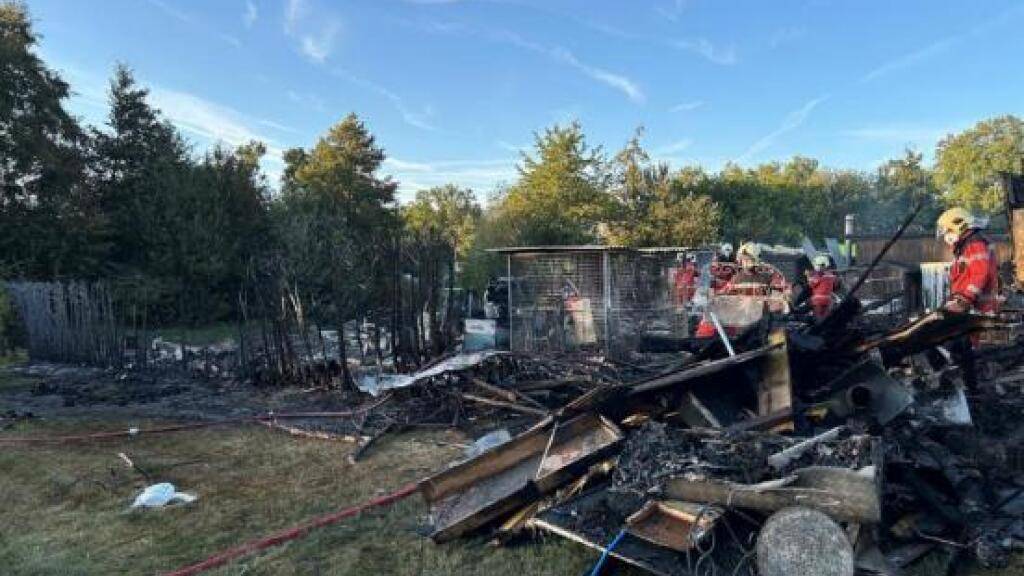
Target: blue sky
{"type": "Point", "coordinates": [453, 88]}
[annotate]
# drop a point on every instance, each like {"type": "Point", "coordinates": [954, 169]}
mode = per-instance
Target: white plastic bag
{"type": "Point", "coordinates": [486, 442]}
{"type": "Point", "coordinates": [161, 494]}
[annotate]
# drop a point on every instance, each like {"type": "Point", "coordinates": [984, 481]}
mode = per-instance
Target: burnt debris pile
{"type": "Point", "coordinates": [828, 448]}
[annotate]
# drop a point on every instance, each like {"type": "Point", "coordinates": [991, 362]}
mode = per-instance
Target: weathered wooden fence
{"type": "Point", "coordinates": [70, 322]}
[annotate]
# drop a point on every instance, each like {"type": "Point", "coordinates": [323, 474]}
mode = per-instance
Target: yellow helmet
{"type": "Point", "coordinates": [821, 262]}
{"type": "Point", "coordinates": [751, 250]}
{"type": "Point", "coordinates": [954, 222]}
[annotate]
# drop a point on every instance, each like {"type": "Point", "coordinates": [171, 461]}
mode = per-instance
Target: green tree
{"type": "Point", "coordinates": [652, 208]}
{"type": "Point", "coordinates": [900, 185]}
{"type": "Point", "coordinates": [446, 212]}
{"type": "Point", "coordinates": [441, 222]}
{"type": "Point", "coordinates": [562, 191]}
{"type": "Point", "coordinates": [337, 221]}
{"type": "Point", "coordinates": [142, 168]}
{"type": "Point", "coordinates": [48, 217]}
{"type": "Point", "coordinates": [967, 165]}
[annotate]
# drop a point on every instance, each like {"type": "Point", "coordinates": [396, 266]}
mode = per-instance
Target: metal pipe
{"type": "Point", "coordinates": [721, 333]}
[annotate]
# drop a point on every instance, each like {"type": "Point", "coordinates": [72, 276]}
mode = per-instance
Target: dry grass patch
{"type": "Point", "coordinates": [65, 507]}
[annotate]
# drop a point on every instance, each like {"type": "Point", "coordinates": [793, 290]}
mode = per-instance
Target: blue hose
{"type": "Point", "coordinates": [607, 550]}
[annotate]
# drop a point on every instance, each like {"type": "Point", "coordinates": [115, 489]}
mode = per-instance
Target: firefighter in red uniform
{"type": "Point", "coordinates": [973, 275]}
{"type": "Point", "coordinates": [973, 280]}
{"type": "Point", "coordinates": [722, 268]}
{"type": "Point", "coordinates": [750, 278]}
{"type": "Point", "coordinates": [686, 279]}
{"type": "Point", "coordinates": [822, 284]}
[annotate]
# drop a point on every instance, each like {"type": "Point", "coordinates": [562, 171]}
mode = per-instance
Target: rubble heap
{"type": "Point", "coordinates": [704, 463]}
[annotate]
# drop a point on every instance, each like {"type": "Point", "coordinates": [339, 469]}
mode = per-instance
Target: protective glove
{"type": "Point", "coordinates": [957, 304]}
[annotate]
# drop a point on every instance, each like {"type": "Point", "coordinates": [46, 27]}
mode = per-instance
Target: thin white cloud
{"type": "Point", "coordinates": [418, 119]}
{"type": "Point", "coordinates": [216, 123]}
{"type": "Point", "coordinates": [294, 10]}
{"type": "Point", "coordinates": [616, 81]}
{"type": "Point", "coordinates": [715, 54]}
{"type": "Point", "coordinates": [316, 34]}
{"type": "Point", "coordinates": [673, 10]}
{"type": "Point", "coordinates": [251, 14]}
{"type": "Point", "coordinates": [915, 57]}
{"type": "Point", "coordinates": [898, 134]}
{"type": "Point", "coordinates": [791, 122]}
{"type": "Point", "coordinates": [563, 55]}
{"type": "Point", "coordinates": [479, 175]}
{"type": "Point", "coordinates": [516, 148]}
{"type": "Point", "coordinates": [190, 20]}
{"type": "Point", "coordinates": [201, 117]}
{"type": "Point", "coordinates": [307, 99]}
{"type": "Point", "coordinates": [276, 126]}
{"type": "Point", "coordinates": [171, 11]}
{"type": "Point", "coordinates": [318, 46]}
{"type": "Point", "coordinates": [687, 106]}
{"type": "Point", "coordinates": [942, 45]}
{"type": "Point", "coordinates": [673, 148]}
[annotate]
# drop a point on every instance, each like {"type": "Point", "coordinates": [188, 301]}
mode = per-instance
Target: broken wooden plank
{"type": "Point", "coordinates": [780, 460]}
{"type": "Point", "coordinates": [775, 389]}
{"type": "Point", "coordinates": [694, 372]}
{"type": "Point", "coordinates": [675, 525]}
{"type": "Point", "coordinates": [839, 492]}
{"type": "Point", "coordinates": [765, 422]}
{"type": "Point", "coordinates": [507, 395]}
{"type": "Point", "coordinates": [551, 384]}
{"type": "Point", "coordinates": [505, 405]}
{"type": "Point", "coordinates": [695, 414]}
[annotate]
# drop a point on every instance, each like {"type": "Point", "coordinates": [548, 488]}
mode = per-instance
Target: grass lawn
{"type": "Point", "coordinates": [65, 508]}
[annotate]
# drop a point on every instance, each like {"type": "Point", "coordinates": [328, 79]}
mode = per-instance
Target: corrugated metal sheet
{"type": "Point", "coordinates": [934, 283]}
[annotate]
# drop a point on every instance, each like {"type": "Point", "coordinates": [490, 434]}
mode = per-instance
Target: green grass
{"type": "Point", "coordinates": [17, 357]}
{"type": "Point", "coordinates": [65, 508]}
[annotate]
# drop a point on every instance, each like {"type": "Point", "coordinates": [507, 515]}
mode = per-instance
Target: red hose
{"type": "Point", "coordinates": [283, 536]}
{"type": "Point", "coordinates": [187, 426]}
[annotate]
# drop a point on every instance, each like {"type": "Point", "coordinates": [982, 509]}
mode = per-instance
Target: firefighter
{"type": "Point", "coordinates": [722, 268]}
{"type": "Point", "coordinates": [822, 283]}
{"type": "Point", "coordinates": [686, 278]}
{"type": "Point", "coordinates": [751, 278]}
{"type": "Point", "coordinates": [973, 280]}
{"type": "Point", "coordinates": [973, 275]}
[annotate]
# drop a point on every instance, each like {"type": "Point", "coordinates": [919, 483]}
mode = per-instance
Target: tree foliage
{"type": "Point", "coordinates": [133, 201]}
{"type": "Point", "coordinates": [652, 207]}
{"type": "Point", "coordinates": [968, 164]}
{"type": "Point", "coordinates": [336, 211]}
{"type": "Point", "coordinates": [561, 195]}
{"type": "Point", "coordinates": [47, 215]}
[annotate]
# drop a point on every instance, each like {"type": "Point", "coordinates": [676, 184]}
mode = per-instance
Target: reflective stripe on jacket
{"type": "Point", "coordinates": [974, 274]}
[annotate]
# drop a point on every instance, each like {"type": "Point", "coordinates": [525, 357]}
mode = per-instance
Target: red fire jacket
{"type": "Point", "coordinates": [974, 274]}
{"type": "Point", "coordinates": [822, 285]}
{"type": "Point", "coordinates": [761, 280]}
{"type": "Point", "coordinates": [686, 283]}
{"type": "Point", "coordinates": [721, 273]}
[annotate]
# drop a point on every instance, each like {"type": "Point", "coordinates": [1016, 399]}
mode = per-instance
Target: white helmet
{"type": "Point", "coordinates": [725, 249]}
{"type": "Point", "coordinates": [821, 262]}
{"type": "Point", "coordinates": [751, 250]}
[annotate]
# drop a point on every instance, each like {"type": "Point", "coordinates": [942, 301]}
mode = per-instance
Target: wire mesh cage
{"type": "Point", "coordinates": [594, 298]}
